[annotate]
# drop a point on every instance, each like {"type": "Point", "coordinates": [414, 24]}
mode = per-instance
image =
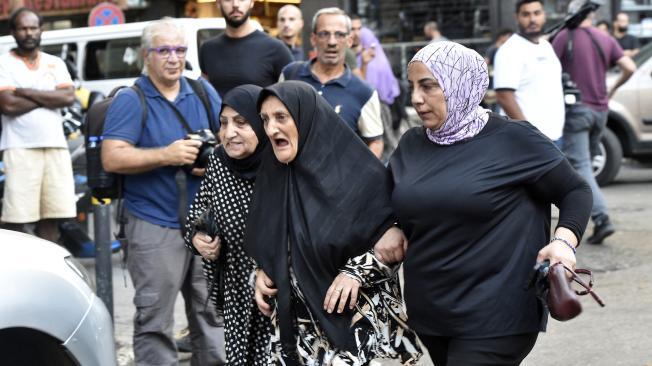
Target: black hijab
{"type": "Point", "coordinates": [331, 203]}
{"type": "Point", "coordinates": [243, 100]}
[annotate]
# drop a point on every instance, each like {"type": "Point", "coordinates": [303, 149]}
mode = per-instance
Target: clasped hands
{"type": "Point", "coordinates": [389, 249]}
{"type": "Point", "coordinates": [344, 288]}
{"type": "Point", "coordinates": [208, 248]}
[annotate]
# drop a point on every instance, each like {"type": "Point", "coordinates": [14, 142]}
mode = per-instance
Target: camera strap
{"type": "Point", "coordinates": [597, 47]}
{"type": "Point", "coordinates": [180, 116]}
{"type": "Point", "coordinates": [180, 176]}
{"type": "Point", "coordinates": [201, 94]}
{"type": "Point", "coordinates": [181, 179]}
{"type": "Point", "coordinates": [570, 43]}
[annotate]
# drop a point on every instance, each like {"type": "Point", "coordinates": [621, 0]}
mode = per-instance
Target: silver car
{"type": "Point", "coordinates": [629, 127]}
{"type": "Point", "coordinates": [49, 313]}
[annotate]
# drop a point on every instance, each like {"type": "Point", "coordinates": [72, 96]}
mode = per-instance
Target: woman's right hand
{"type": "Point", "coordinates": [264, 289]}
{"type": "Point", "coordinates": [391, 247]}
{"type": "Point", "coordinates": [207, 247]}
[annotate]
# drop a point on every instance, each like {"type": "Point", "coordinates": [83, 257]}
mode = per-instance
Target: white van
{"type": "Point", "coordinates": [107, 56]}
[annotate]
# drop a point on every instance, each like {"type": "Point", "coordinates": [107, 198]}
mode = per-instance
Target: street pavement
{"type": "Point", "coordinates": [618, 334]}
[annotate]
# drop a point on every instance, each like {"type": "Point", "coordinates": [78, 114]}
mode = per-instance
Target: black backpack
{"type": "Point", "coordinates": [109, 185]}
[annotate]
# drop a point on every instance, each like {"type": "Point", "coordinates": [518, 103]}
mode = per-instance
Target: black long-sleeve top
{"type": "Point", "coordinates": [476, 213]}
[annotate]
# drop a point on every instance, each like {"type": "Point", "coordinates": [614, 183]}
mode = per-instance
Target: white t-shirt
{"type": "Point", "coordinates": [533, 71]}
{"type": "Point", "coordinates": [40, 127]}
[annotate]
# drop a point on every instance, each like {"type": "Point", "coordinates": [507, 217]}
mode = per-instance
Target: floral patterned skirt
{"type": "Point", "coordinates": [379, 325]}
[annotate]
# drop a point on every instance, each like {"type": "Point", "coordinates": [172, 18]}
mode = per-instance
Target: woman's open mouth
{"type": "Point", "coordinates": [281, 143]}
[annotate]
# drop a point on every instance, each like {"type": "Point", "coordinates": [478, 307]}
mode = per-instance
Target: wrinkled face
{"type": "Point", "coordinates": [427, 96]}
{"type": "Point", "coordinates": [280, 128]}
{"type": "Point", "coordinates": [289, 22]}
{"type": "Point", "coordinates": [237, 135]}
{"type": "Point", "coordinates": [356, 25]}
{"type": "Point", "coordinates": [236, 12]}
{"type": "Point", "coordinates": [531, 17]}
{"type": "Point", "coordinates": [330, 39]}
{"type": "Point", "coordinates": [28, 32]}
{"type": "Point", "coordinates": [166, 58]}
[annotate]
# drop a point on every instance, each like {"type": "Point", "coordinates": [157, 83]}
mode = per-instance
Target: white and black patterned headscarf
{"type": "Point", "coordinates": [462, 75]}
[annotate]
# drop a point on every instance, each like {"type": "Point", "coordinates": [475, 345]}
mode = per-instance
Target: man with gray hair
{"type": "Point", "coordinates": [353, 99]}
{"type": "Point", "coordinates": [586, 54]}
{"type": "Point", "coordinates": [161, 178]}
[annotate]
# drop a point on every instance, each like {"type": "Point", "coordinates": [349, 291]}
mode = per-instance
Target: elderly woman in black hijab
{"type": "Point", "coordinates": [215, 226]}
{"type": "Point", "coordinates": [321, 203]}
{"type": "Point", "coordinates": [473, 191]}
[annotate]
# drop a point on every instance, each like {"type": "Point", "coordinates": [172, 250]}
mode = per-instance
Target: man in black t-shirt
{"type": "Point", "coordinates": [242, 54]}
{"type": "Point", "coordinates": [628, 43]}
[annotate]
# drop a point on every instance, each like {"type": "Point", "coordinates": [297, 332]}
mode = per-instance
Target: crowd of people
{"type": "Point", "coordinates": [286, 245]}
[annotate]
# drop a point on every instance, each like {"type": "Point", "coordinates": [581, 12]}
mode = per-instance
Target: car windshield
{"type": "Point", "coordinates": [643, 55]}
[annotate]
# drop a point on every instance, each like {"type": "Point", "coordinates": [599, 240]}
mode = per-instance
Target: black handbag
{"type": "Point", "coordinates": [207, 223]}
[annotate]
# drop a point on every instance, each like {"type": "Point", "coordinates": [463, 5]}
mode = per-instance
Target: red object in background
{"type": "Point", "coordinates": [105, 14]}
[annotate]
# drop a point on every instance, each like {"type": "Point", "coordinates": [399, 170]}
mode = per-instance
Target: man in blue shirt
{"type": "Point", "coordinates": [353, 99]}
{"type": "Point", "coordinates": [154, 158]}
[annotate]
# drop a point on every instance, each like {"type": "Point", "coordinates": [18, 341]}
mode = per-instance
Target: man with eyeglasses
{"type": "Point", "coordinates": [353, 99]}
{"type": "Point", "coordinates": [242, 54]}
{"type": "Point", "coordinates": [159, 184]}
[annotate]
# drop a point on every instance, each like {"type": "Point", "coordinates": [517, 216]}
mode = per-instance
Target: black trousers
{"type": "Point", "coordinates": [503, 351]}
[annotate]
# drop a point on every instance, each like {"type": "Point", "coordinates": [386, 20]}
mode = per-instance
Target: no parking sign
{"type": "Point", "coordinates": [105, 14]}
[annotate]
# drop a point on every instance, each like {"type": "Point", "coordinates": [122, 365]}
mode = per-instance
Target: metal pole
{"type": "Point", "coordinates": [103, 265]}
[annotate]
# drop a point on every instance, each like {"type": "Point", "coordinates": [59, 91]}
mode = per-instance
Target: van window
{"type": "Point", "coordinates": [112, 59]}
{"type": "Point", "coordinates": [204, 35]}
{"type": "Point", "coordinates": [67, 52]}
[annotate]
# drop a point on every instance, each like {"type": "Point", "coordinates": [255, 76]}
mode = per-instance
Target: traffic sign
{"type": "Point", "coordinates": [105, 14]}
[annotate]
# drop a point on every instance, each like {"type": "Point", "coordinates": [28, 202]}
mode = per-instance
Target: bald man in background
{"type": "Point", "coordinates": [289, 22]}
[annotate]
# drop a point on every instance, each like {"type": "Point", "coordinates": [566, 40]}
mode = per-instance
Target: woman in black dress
{"type": "Point", "coordinates": [215, 226]}
{"type": "Point", "coordinates": [321, 203]}
{"type": "Point", "coordinates": [472, 191]}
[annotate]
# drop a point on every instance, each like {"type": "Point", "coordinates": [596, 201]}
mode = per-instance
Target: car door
{"type": "Point", "coordinates": [644, 89]}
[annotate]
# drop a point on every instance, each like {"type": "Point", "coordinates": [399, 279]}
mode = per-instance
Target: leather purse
{"type": "Point", "coordinates": [563, 303]}
{"type": "Point", "coordinates": [553, 286]}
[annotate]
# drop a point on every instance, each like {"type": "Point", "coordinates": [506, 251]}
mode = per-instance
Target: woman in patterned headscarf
{"type": "Point", "coordinates": [472, 191]}
{"type": "Point", "coordinates": [215, 227]}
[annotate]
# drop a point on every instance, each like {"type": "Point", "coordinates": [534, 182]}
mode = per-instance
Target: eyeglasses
{"type": "Point", "coordinates": [166, 51]}
{"type": "Point", "coordinates": [581, 281]}
{"type": "Point", "coordinates": [325, 35]}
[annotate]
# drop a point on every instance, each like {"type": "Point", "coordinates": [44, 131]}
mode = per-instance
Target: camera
{"type": "Point", "coordinates": [574, 18]}
{"type": "Point", "coordinates": [208, 143]}
{"type": "Point", "coordinates": [571, 92]}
